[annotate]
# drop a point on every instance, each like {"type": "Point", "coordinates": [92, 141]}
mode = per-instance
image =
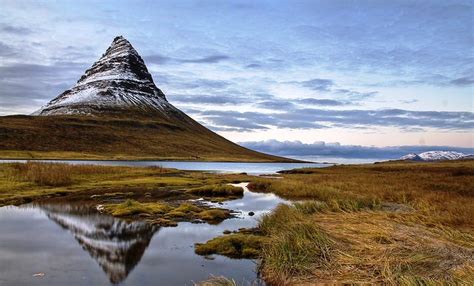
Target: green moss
{"type": "Point", "coordinates": [217, 190]}
{"type": "Point", "coordinates": [158, 212]}
{"type": "Point", "coordinates": [235, 245]}
{"type": "Point", "coordinates": [214, 215]}
{"type": "Point", "coordinates": [131, 207]}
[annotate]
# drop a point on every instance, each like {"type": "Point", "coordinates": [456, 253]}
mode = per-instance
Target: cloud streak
{"type": "Point", "coordinates": [310, 118]}
{"type": "Point", "coordinates": [323, 149]}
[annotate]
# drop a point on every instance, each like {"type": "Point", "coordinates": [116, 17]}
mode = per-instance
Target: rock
{"type": "Point", "coordinates": [251, 213]}
{"type": "Point", "coordinates": [40, 274]}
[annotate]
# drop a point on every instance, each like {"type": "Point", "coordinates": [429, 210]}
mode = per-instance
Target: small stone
{"type": "Point", "coordinates": [40, 274]}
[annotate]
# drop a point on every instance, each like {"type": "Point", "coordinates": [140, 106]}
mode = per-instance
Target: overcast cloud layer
{"type": "Point", "coordinates": [261, 70]}
{"type": "Point", "coordinates": [336, 150]}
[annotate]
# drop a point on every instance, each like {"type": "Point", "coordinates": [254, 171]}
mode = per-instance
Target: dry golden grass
{"type": "Point", "coordinates": [52, 174]}
{"type": "Point", "coordinates": [308, 246]}
{"type": "Point", "coordinates": [391, 223]}
{"type": "Point", "coordinates": [442, 192]}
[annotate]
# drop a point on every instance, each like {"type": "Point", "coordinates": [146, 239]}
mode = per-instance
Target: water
{"type": "Point", "coordinates": [220, 167]}
{"type": "Point", "coordinates": [75, 245]}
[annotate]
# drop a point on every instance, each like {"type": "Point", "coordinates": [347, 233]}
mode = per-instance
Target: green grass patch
{"type": "Point", "coordinates": [217, 190]}
{"type": "Point", "coordinates": [234, 245]}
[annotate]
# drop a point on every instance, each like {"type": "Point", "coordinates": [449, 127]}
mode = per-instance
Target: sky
{"type": "Point", "coordinates": [301, 75]}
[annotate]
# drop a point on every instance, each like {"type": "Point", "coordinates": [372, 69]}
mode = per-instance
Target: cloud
{"type": "Point", "coordinates": [275, 104]}
{"type": "Point", "coordinates": [25, 87]}
{"type": "Point", "coordinates": [17, 30]}
{"type": "Point", "coordinates": [318, 84]}
{"type": "Point", "coordinates": [329, 86]}
{"type": "Point", "coordinates": [6, 50]}
{"type": "Point", "coordinates": [321, 102]}
{"type": "Point", "coordinates": [463, 81]}
{"type": "Point", "coordinates": [161, 59]}
{"type": "Point", "coordinates": [205, 99]}
{"type": "Point", "coordinates": [323, 149]}
{"type": "Point", "coordinates": [157, 59]}
{"type": "Point", "coordinates": [209, 59]}
{"type": "Point", "coordinates": [253, 66]}
{"type": "Point", "coordinates": [310, 118]}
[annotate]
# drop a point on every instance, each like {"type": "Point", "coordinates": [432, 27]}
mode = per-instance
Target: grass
{"type": "Point", "coordinates": [235, 245]}
{"type": "Point", "coordinates": [162, 212]}
{"type": "Point", "coordinates": [392, 224]}
{"type": "Point", "coordinates": [111, 138]}
{"type": "Point", "coordinates": [218, 190]}
{"type": "Point", "coordinates": [26, 182]}
{"type": "Point", "coordinates": [217, 281]}
{"type": "Point", "coordinates": [295, 247]}
{"type": "Point", "coordinates": [131, 207]}
{"type": "Point", "coordinates": [307, 243]}
{"type": "Point", "coordinates": [425, 187]}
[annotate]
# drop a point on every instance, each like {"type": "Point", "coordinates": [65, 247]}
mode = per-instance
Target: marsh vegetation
{"type": "Point", "coordinates": [391, 223]}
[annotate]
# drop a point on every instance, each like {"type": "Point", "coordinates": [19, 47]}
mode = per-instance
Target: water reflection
{"type": "Point", "coordinates": [37, 238]}
{"type": "Point", "coordinates": [115, 244]}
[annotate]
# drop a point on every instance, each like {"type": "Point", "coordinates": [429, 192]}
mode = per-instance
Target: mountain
{"type": "Point", "coordinates": [411, 157]}
{"type": "Point", "coordinates": [115, 111]}
{"type": "Point", "coordinates": [118, 82]}
{"type": "Point", "coordinates": [435, 156]}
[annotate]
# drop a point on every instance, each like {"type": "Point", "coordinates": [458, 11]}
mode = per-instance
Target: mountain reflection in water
{"type": "Point", "coordinates": [115, 244]}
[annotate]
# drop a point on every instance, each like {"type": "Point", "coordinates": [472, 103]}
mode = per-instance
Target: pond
{"type": "Point", "coordinates": [68, 244]}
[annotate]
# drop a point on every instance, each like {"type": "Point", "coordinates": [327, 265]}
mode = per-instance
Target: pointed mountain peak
{"type": "Point", "coordinates": [119, 46]}
{"type": "Point", "coordinates": [119, 80]}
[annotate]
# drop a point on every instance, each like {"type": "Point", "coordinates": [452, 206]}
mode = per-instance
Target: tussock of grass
{"type": "Point", "coordinates": [217, 190]}
{"type": "Point", "coordinates": [234, 245]}
{"type": "Point", "coordinates": [296, 245]}
{"type": "Point", "coordinates": [214, 215]}
{"type": "Point", "coordinates": [217, 281]}
{"type": "Point", "coordinates": [131, 207]}
{"type": "Point", "coordinates": [163, 212]}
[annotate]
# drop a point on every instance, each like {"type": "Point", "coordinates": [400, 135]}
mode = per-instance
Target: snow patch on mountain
{"type": "Point", "coordinates": [436, 156]}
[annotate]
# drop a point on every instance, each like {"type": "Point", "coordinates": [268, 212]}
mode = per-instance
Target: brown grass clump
{"type": "Point", "coordinates": [43, 174]}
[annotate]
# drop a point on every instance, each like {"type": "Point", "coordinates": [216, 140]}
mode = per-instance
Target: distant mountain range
{"type": "Point", "coordinates": [436, 156]}
{"type": "Point", "coordinates": [115, 111]}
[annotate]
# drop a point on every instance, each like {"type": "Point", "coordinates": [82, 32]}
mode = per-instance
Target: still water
{"type": "Point", "coordinates": [75, 245]}
{"type": "Point", "coordinates": [220, 167]}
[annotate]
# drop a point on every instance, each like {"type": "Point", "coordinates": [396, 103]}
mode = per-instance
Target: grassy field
{"type": "Point", "coordinates": [391, 223]}
{"type": "Point", "coordinates": [118, 138]}
{"type": "Point", "coordinates": [22, 183]}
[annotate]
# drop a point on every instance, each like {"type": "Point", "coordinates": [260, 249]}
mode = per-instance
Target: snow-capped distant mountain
{"type": "Point", "coordinates": [411, 157]}
{"type": "Point", "coordinates": [435, 156]}
{"type": "Point", "coordinates": [118, 81]}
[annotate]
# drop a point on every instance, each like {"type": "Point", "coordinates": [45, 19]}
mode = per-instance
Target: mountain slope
{"type": "Point", "coordinates": [115, 111]}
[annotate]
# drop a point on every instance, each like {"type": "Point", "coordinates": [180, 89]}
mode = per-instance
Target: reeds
{"type": "Point", "coordinates": [52, 174]}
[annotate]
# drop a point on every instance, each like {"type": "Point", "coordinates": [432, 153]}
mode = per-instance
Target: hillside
{"type": "Point", "coordinates": [115, 111]}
